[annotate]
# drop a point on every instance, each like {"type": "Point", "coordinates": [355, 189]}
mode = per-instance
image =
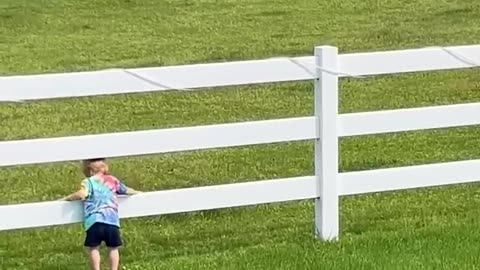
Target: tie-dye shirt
{"type": "Point", "coordinates": [100, 205]}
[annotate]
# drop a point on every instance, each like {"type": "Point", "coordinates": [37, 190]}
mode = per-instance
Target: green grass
{"type": "Point", "coordinates": [432, 228]}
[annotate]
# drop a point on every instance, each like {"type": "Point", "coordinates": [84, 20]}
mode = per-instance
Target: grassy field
{"type": "Point", "coordinates": [433, 228]}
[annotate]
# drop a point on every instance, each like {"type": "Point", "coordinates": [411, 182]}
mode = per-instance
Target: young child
{"type": "Point", "coordinates": [101, 222]}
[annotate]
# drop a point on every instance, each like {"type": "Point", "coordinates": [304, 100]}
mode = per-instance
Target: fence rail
{"type": "Point", "coordinates": [156, 141]}
{"type": "Point", "coordinates": [428, 175]}
{"type": "Point", "coordinates": [324, 127]}
{"type": "Point", "coordinates": [122, 81]}
{"type": "Point", "coordinates": [32, 215]}
{"type": "Point", "coordinates": [461, 115]}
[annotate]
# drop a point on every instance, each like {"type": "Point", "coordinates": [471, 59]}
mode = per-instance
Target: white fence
{"type": "Point", "coordinates": [325, 127]}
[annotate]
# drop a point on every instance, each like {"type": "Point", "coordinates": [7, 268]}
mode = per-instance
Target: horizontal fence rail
{"type": "Point", "coordinates": [31, 215]}
{"type": "Point", "coordinates": [429, 175]}
{"type": "Point", "coordinates": [354, 124]}
{"type": "Point", "coordinates": [155, 141]}
{"type": "Point", "coordinates": [42, 214]}
{"type": "Point", "coordinates": [325, 68]}
{"type": "Point", "coordinates": [122, 81]}
{"type": "Point", "coordinates": [413, 60]}
{"type": "Point", "coordinates": [23, 152]}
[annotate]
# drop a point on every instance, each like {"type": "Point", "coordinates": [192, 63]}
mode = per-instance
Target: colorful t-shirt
{"type": "Point", "coordinates": [100, 205]}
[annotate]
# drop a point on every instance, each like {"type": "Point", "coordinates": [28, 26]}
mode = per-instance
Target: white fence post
{"type": "Point", "coordinates": [326, 147]}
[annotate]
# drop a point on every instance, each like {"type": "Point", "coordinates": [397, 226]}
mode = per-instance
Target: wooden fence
{"type": "Point", "coordinates": [325, 127]}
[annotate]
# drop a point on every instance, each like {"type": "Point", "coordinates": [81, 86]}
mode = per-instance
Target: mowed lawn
{"type": "Point", "coordinates": [434, 228]}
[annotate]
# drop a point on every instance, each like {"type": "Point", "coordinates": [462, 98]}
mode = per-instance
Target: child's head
{"type": "Point", "coordinates": [94, 166]}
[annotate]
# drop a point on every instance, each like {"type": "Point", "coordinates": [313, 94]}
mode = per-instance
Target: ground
{"type": "Point", "coordinates": [435, 228]}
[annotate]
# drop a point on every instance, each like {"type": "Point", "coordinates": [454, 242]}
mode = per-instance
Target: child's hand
{"type": "Point", "coordinates": [131, 191]}
{"type": "Point", "coordinates": [135, 192]}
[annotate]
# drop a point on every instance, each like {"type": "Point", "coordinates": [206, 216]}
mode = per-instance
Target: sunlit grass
{"type": "Point", "coordinates": [424, 229]}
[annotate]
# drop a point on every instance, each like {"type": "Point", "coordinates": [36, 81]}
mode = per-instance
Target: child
{"type": "Point", "coordinates": [99, 193]}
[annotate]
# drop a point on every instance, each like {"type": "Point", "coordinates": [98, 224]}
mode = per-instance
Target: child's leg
{"type": "Point", "coordinates": [94, 258]}
{"type": "Point", "coordinates": [113, 258]}
{"type": "Point", "coordinates": [92, 244]}
{"type": "Point", "coordinates": [113, 242]}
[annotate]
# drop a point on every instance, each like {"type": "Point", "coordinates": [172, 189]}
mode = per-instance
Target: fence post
{"type": "Point", "coordinates": [326, 146]}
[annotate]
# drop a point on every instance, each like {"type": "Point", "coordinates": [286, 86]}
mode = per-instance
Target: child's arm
{"type": "Point", "coordinates": [131, 191]}
{"type": "Point", "coordinates": [122, 189]}
{"type": "Point", "coordinates": [79, 195]}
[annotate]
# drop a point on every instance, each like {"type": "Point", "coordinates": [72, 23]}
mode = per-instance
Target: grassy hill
{"type": "Point", "coordinates": [434, 228]}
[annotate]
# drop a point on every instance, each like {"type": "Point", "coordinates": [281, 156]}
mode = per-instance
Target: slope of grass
{"type": "Point", "coordinates": [422, 229]}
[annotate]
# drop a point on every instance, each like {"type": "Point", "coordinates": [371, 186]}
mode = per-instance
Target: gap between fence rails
{"type": "Point", "coordinates": [156, 83]}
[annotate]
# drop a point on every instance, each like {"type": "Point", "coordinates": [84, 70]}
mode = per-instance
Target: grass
{"type": "Point", "coordinates": [432, 228]}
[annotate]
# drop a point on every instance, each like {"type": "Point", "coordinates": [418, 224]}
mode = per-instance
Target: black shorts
{"type": "Point", "coordinates": [100, 232]}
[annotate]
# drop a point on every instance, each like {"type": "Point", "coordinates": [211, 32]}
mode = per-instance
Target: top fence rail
{"type": "Point", "coordinates": [198, 76]}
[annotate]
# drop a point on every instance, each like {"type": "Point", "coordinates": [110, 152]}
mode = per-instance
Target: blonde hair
{"type": "Point", "coordinates": [95, 166]}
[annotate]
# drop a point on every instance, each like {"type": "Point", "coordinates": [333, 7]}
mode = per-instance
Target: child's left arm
{"type": "Point", "coordinates": [122, 189]}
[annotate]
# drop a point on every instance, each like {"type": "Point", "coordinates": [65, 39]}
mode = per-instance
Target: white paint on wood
{"type": "Point", "coordinates": [155, 141]}
{"type": "Point", "coordinates": [326, 146]}
{"type": "Point", "coordinates": [411, 60]}
{"type": "Point", "coordinates": [364, 123]}
{"type": "Point", "coordinates": [326, 126]}
{"type": "Point", "coordinates": [107, 82]}
{"type": "Point", "coordinates": [42, 214]}
{"type": "Point", "coordinates": [409, 177]}
{"type": "Point", "coordinates": [200, 76]}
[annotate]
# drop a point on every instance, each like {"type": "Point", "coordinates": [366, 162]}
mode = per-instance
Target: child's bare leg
{"type": "Point", "coordinates": [113, 258]}
{"type": "Point", "coordinates": [94, 258]}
